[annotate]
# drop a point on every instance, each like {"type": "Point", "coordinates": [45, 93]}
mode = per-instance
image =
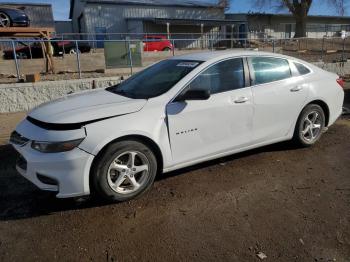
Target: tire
{"type": "Point", "coordinates": [73, 51]}
{"type": "Point", "coordinates": [5, 20]}
{"type": "Point", "coordinates": [22, 55]}
{"type": "Point", "coordinates": [166, 49]}
{"type": "Point", "coordinates": [116, 178]}
{"type": "Point", "coordinates": [310, 125]}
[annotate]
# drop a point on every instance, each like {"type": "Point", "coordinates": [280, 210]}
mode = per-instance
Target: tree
{"type": "Point", "coordinates": [224, 3]}
{"type": "Point", "coordinates": [300, 9]}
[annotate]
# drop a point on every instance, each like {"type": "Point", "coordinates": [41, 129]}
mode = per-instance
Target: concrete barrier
{"type": "Point", "coordinates": [25, 96]}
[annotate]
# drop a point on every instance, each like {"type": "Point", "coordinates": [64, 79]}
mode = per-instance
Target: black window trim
{"type": "Point", "coordinates": [293, 62]}
{"type": "Point", "coordinates": [246, 73]}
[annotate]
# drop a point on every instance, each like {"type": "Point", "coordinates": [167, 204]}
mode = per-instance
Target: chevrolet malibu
{"type": "Point", "coordinates": [176, 113]}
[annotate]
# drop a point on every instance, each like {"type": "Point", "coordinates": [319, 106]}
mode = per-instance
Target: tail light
{"type": "Point", "coordinates": [341, 82]}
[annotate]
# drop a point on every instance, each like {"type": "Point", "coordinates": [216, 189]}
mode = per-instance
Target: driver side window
{"type": "Point", "coordinates": [221, 77]}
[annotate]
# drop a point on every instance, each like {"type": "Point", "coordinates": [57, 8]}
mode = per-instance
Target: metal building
{"type": "Point", "coordinates": [63, 27]}
{"type": "Point", "coordinates": [40, 15]}
{"type": "Point", "coordinates": [124, 18]}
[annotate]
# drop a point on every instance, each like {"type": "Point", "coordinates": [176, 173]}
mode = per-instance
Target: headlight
{"type": "Point", "coordinates": [56, 147]}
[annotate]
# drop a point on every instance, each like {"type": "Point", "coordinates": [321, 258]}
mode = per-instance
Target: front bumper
{"type": "Point", "coordinates": [66, 173]}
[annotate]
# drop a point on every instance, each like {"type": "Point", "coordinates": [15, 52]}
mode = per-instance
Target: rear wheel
{"type": "Point", "coordinates": [166, 49]}
{"type": "Point", "coordinates": [125, 170]}
{"type": "Point", "coordinates": [73, 51]}
{"type": "Point", "coordinates": [5, 20]}
{"type": "Point", "coordinates": [310, 124]}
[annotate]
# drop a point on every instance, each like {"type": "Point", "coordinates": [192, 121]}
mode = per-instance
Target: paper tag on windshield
{"type": "Point", "coordinates": [188, 64]}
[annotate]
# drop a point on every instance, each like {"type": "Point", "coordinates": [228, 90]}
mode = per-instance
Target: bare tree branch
{"type": "Point", "coordinates": [300, 9]}
{"type": "Point", "coordinates": [224, 3]}
{"type": "Point", "coordinates": [339, 6]}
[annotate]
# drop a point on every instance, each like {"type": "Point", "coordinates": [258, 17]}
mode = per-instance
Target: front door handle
{"type": "Point", "coordinates": [296, 88]}
{"type": "Point", "coordinates": [241, 100]}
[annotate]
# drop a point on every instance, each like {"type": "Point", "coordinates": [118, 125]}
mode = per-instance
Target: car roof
{"type": "Point", "coordinates": [217, 55]}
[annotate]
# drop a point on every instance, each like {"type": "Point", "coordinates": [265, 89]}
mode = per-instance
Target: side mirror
{"type": "Point", "coordinates": [196, 94]}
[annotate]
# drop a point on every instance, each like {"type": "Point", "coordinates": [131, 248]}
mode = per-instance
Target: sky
{"type": "Point", "coordinates": [319, 7]}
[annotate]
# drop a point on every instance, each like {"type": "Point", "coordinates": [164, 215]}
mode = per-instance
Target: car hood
{"type": "Point", "coordinates": [86, 107]}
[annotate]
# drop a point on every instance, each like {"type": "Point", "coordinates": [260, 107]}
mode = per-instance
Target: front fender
{"type": "Point", "coordinates": [100, 134]}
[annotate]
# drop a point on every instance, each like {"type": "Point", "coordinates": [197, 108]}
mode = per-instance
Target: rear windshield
{"type": "Point", "coordinates": [155, 80]}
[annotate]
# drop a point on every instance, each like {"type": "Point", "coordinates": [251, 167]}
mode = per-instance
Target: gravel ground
{"type": "Point", "coordinates": [291, 204]}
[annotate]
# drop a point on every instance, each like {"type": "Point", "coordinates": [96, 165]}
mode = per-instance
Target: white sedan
{"type": "Point", "coordinates": [176, 113]}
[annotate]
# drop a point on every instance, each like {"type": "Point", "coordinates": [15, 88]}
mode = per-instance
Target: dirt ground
{"type": "Point", "coordinates": [291, 204]}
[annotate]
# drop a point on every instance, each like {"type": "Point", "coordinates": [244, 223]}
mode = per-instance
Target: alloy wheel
{"type": "Point", "coordinates": [128, 172]}
{"type": "Point", "coordinates": [311, 126]}
{"type": "Point", "coordinates": [73, 51]}
{"type": "Point", "coordinates": [22, 56]}
{"type": "Point", "coordinates": [4, 20]}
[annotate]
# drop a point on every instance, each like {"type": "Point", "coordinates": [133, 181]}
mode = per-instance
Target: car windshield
{"type": "Point", "coordinates": [154, 80]}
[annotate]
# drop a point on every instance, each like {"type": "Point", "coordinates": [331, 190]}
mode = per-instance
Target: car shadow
{"type": "Point", "coordinates": [19, 199]}
{"type": "Point", "coordinates": [281, 146]}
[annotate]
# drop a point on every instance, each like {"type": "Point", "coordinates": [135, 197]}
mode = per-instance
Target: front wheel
{"type": "Point", "coordinates": [309, 126]}
{"type": "Point", "coordinates": [125, 170]}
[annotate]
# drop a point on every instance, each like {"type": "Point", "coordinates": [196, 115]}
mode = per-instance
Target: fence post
{"type": "Point", "coordinates": [273, 46]}
{"type": "Point", "coordinates": [15, 58]}
{"type": "Point", "coordinates": [130, 57]}
{"type": "Point", "coordinates": [30, 50]}
{"type": "Point", "coordinates": [78, 57]}
{"type": "Point", "coordinates": [173, 47]}
{"type": "Point", "coordinates": [322, 54]}
{"type": "Point", "coordinates": [63, 50]}
{"type": "Point", "coordinates": [343, 54]}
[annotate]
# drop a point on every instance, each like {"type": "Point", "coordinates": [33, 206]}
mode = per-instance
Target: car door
{"type": "Point", "coordinates": [151, 43]}
{"type": "Point", "coordinates": [278, 97]}
{"type": "Point", "coordinates": [146, 44]}
{"type": "Point", "coordinates": [199, 128]}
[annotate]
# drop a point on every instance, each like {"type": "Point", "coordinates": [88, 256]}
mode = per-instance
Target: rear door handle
{"type": "Point", "coordinates": [241, 100]}
{"type": "Point", "coordinates": [296, 88]}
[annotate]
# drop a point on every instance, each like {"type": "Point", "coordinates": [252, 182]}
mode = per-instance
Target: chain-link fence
{"type": "Point", "coordinates": [72, 58]}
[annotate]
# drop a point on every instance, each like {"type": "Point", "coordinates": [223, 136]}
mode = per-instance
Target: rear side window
{"type": "Point", "coordinates": [270, 69]}
{"type": "Point", "coordinates": [303, 70]}
{"type": "Point", "coordinates": [221, 77]}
